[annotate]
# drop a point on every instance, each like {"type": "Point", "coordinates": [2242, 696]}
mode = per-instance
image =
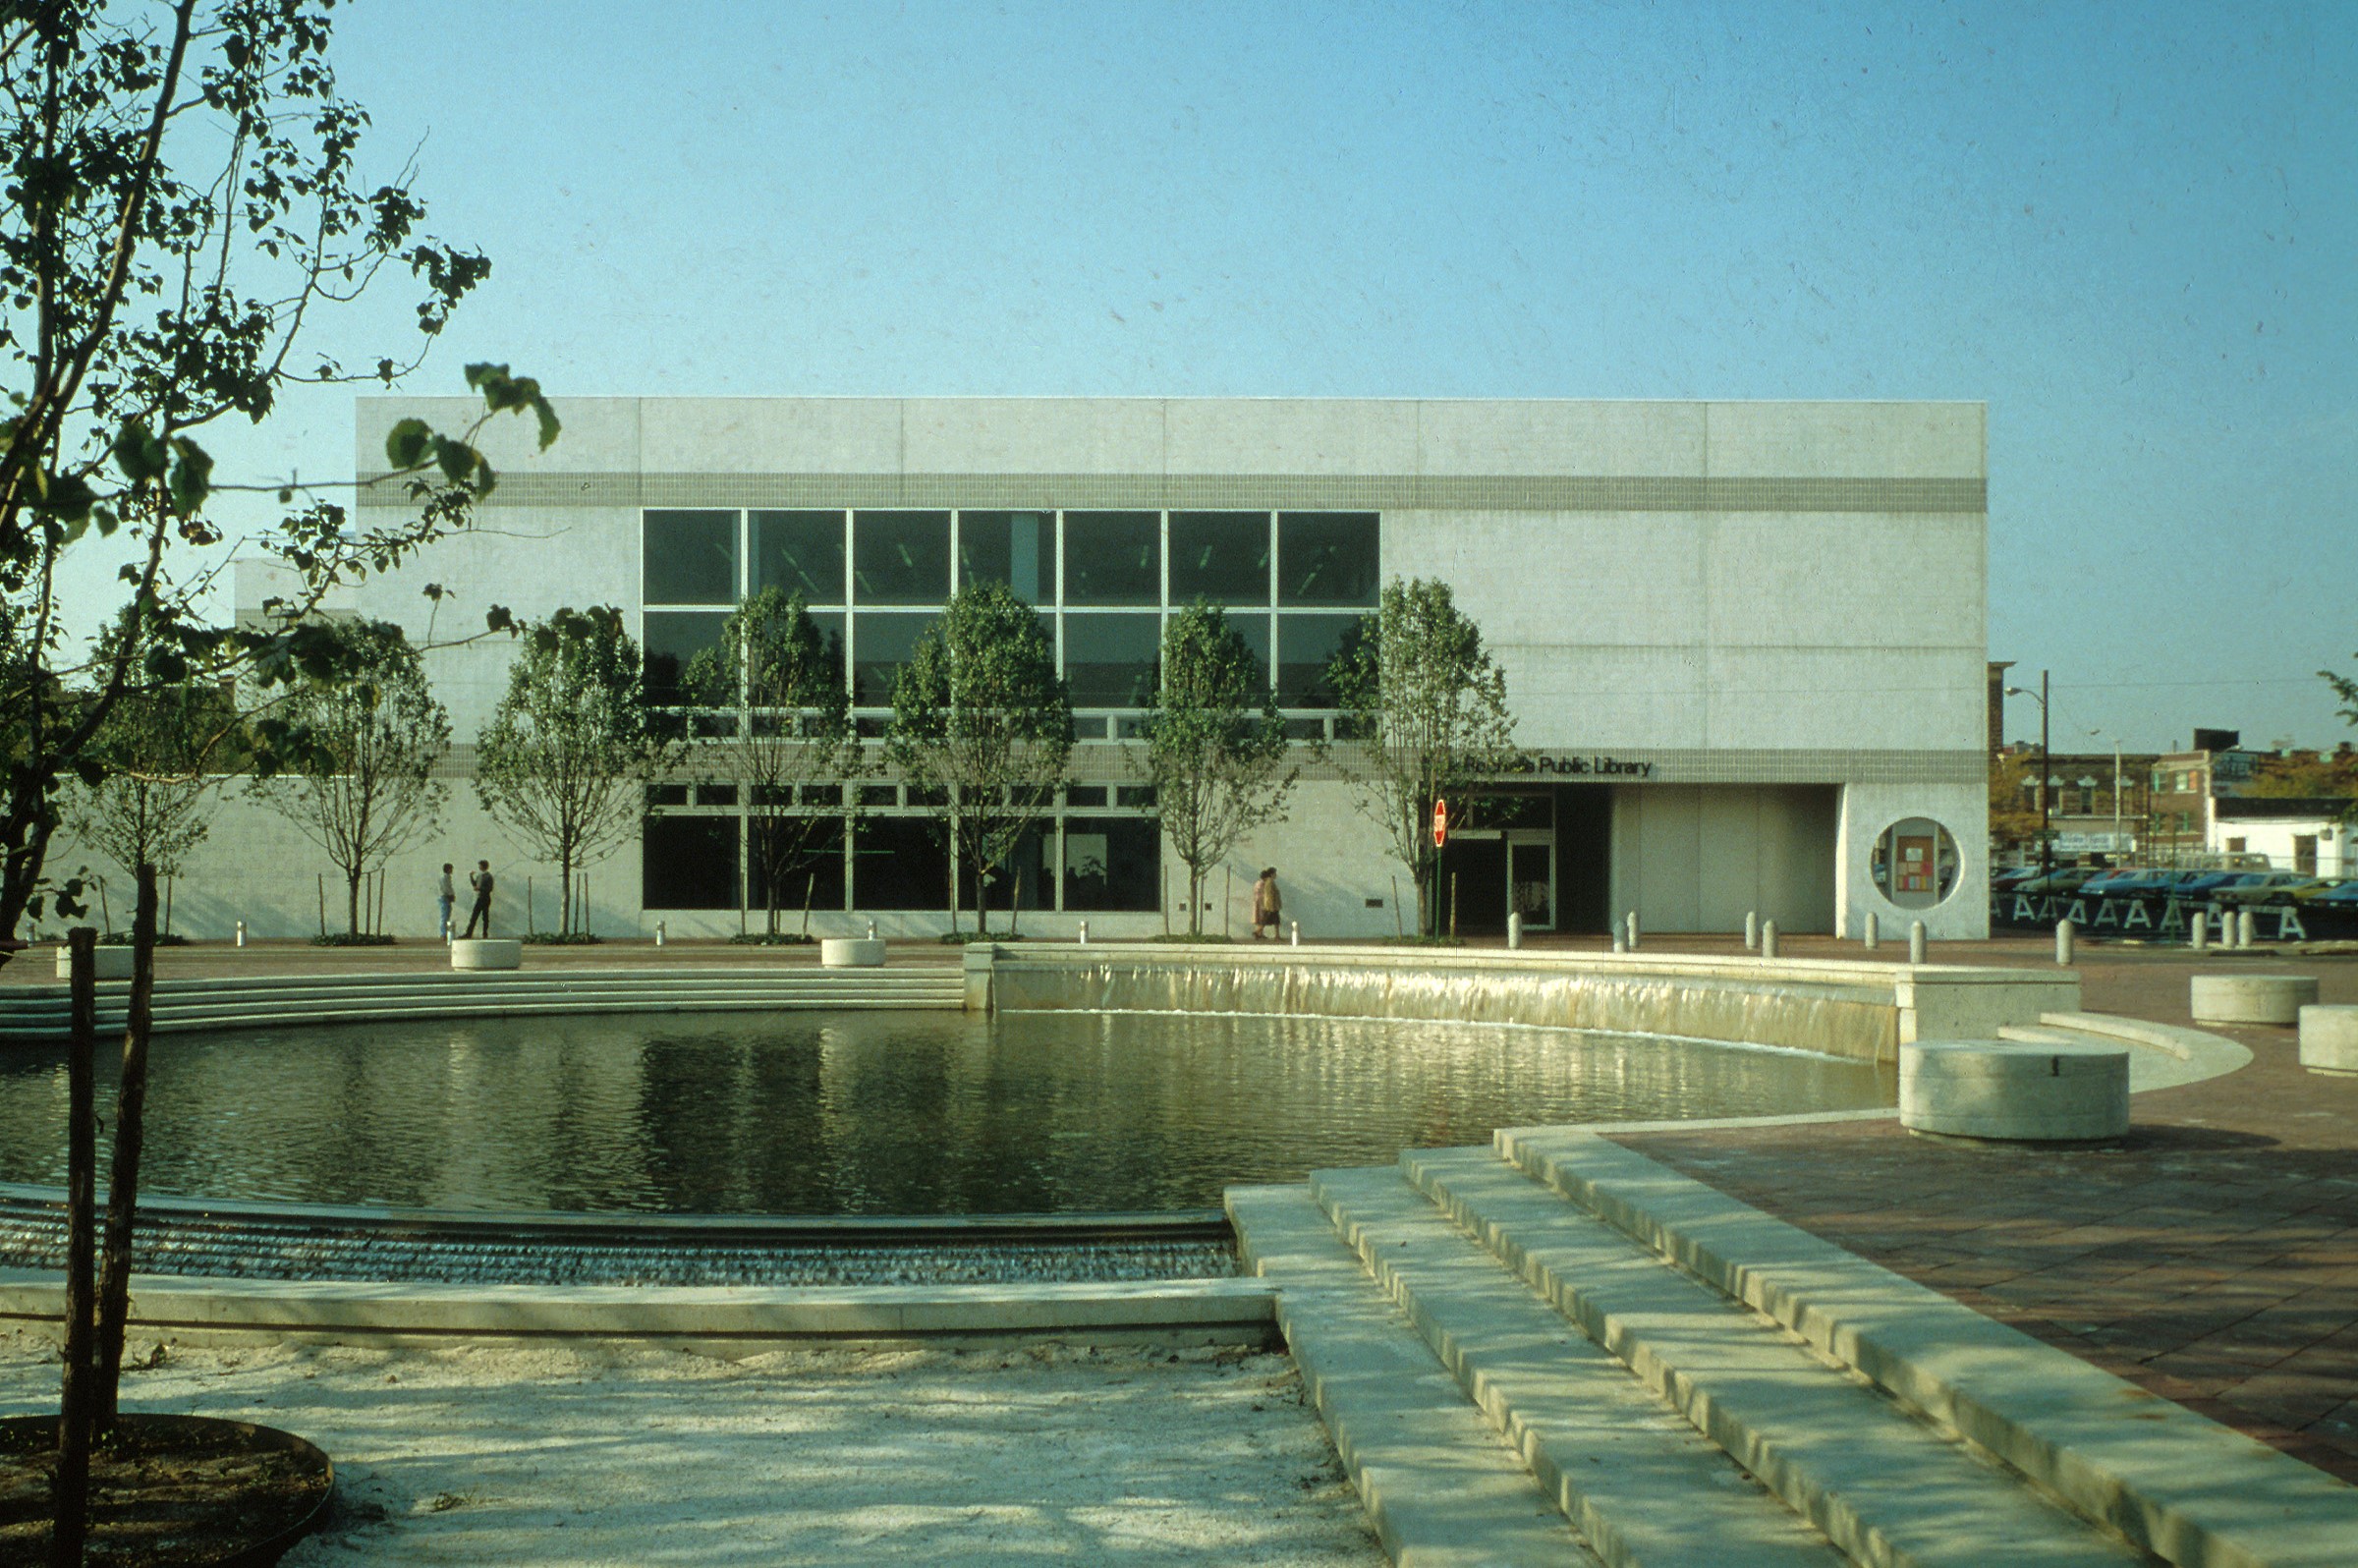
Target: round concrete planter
{"type": "Point", "coordinates": [2251, 998]}
{"type": "Point", "coordinates": [851, 952]}
{"type": "Point", "coordinates": [487, 952]}
{"type": "Point", "coordinates": [107, 963]}
{"type": "Point", "coordinates": [1990, 1089]}
{"type": "Point", "coordinates": [2330, 1039]}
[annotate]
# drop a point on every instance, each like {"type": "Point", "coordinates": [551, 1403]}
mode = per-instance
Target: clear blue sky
{"type": "Point", "coordinates": [2131, 231]}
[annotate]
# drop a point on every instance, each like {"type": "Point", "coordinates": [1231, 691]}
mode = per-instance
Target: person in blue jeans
{"type": "Point", "coordinates": [448, 897]}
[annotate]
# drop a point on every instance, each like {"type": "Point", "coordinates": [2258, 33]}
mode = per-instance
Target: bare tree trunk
{"type": "Point", "coordinates": [123, 1187]}
{"type": "Point", "coordinates": [352, 899]}
{"type": "Point", "coordinates": [70, 1497]}
{"type": "Point", "coordinates": [565, 891]}
{"type": "Point", "coordinates": [1195, 899]}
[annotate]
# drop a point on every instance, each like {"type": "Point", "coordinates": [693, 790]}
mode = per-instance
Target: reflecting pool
{"type": "Point", "coordinates": [868, 1114]}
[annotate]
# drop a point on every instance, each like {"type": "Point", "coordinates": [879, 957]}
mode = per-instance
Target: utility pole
{"type": "Point", "coordinates": [2047, 789]}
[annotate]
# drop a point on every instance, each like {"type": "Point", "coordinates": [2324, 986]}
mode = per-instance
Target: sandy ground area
{"type": "Point", "coordinates": [630, 1454]}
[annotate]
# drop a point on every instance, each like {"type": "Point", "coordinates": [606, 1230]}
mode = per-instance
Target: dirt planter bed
{"type": "Point", "coordinates": [170, 1491]}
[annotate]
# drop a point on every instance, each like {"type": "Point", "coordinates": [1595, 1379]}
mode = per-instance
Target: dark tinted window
{"type": "Point", "coordinates": [688, 862]}
{"type": "Point", "coordinates": [1326, 558]}
{"type": "Point", "coordinates": [882, 644]}
{"type": "Point", "coordinates": [799, 552]}
{"type": "Point", "coordinates": [1112, 558]}
{"type": "Point", "coordinates": [1112, 863]}
{"type": "Point", "coordinates": [1017, 548]}
{"type": "Point", "coordinates": [900, 862]}
{"type": "Point", "coordinates": [901, 557]}
{"type": "Point", "coordinates": [1019, 883]}
{"type": "Point", "coordinates": [1255, 630]}
{"type": "Point", "coordinates": [1220, 556]}
{"type": "Point", "coordinates": [690, 558]}
{"type": "Point", "coordinates": [1109, 659]}
{"type": "Point", "coordinates": [670, 638]}
{"type": "Point", "coordinates": [810, 867]}
{"type": "Point", "coordinates": [1306, 646]}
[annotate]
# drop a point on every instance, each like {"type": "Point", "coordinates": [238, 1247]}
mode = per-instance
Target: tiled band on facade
{"type": "Point", "coordinates": [1452, 492]}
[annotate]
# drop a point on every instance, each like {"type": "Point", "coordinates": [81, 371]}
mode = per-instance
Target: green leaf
{"type": "Point", "coordinates": [406, 444]}
{"type": "Point", "coordinates": [141, 455]}
{"type": "Point", "coordinates": [191, 474]}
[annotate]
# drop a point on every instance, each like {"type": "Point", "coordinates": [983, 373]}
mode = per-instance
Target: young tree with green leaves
{"type": "Point", "coordinates": [186, 203]}
{"type": "Point", "coordinates": [1216, 747]}
{"type": "Point", "coordinates": [779, 683]}
{"type": "Point", "coordinates": [365, 745]}
{"type": "Point", "coordinates": [1424, 709]}
{"type": "Point", "coordinates": [564, 763]}
{"type": "Point", "coordinates": [982, 719]}
{"type": "Point", "coordinates": [164, 752]}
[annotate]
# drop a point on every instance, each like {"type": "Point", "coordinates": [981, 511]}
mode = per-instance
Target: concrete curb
{"type": "Point", "coordinates": [1236, 1309]}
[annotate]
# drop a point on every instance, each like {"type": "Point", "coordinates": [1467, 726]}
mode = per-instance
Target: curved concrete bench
{"type": "Point", "coordinates": [2330, 1039]}
{"type": "Point", "coordinates": [851, 952]}
{"type": "Point", "coordinates": [2018, 1092]}
{"type": "Point", "coordinates": [487, 952]}
{"type": "Point", "coordinates": [106, 963]}
{"type": "Point", "coordinates": [2251, 998]}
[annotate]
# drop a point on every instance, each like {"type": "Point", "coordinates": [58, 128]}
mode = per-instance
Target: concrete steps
{"type": "Point", "coordinates": [1688, 1382]}
{"type": "Point", "coordinates": [39, 1014]}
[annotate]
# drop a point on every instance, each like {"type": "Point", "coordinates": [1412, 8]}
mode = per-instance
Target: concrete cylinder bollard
{"type": "Point", "coordinates": [2063, 935]}
{"type": "Point", "coordinates": [1619, 944]}
{"type": "Point", "coordinates": [872, 930]}
{"type": "Point", "coordinates": [1297, 933]}
{"type": "Point", "coordinates": [241, 934]}
{"type": "Point", "coordinates": [1752, 930]}
{"type": "Point", "coordinates": [1916, 942]}
{"type": "Point", "coordinates": [2250, 998]}
{"type": "Point", "coordinates": [1630, 924]}
{"type": "Point", "coordinates": [2198, 932]}
{"type": "Point", "coordinates": [1514, 929]}
{"type": "Point", "coordinates": [2329, 1039]}
{"type": "Point", "coordinates": [1083, 938]}
{"type": "Point", "coordinates": [1875, 931]}
{"type": "Point", "coordinates": [1768, 939]}
{"type": "Point", "coordinates": [2245, 928]}
{"type": "Point", "coordinates": [658, 934]}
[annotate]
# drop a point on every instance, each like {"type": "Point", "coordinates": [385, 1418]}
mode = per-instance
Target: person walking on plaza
{"type": "Point", "coordinates": [1266, 904]}
{"type": "Point", "coordinates": [480, 880]}
{"type": "Point", "coordinates": [448, 897]}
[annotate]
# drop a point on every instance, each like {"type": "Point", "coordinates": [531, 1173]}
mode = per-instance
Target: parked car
{"type": "Point", "coordinates": [2105, 884]}
{"type": "Point", "coordinates": [2261, 887]}
{"type": "Point", "coordinates": [2336, 895]}
{"type": "Point", "coordinates": [2206, 885]}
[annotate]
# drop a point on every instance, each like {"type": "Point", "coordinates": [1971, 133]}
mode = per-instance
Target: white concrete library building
{"type": "Point", "coordinates": [1742, 642]}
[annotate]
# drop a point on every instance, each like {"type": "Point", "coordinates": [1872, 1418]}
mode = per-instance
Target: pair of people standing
{"type": "Point", "coordinates": [447, 896]}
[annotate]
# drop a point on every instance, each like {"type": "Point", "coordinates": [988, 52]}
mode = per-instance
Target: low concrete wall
{"type": "Point", "coordinates": [1859, 1010]}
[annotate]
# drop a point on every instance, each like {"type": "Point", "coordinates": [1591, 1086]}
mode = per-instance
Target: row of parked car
{"type": "Point", "coordinates": [2229, 888]}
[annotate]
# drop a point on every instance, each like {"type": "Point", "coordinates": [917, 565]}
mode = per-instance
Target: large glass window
{"type": "Point", "coordinates": [1112, 558]}
{"type": "Point", "coordinates": [798, 552]}
{"type": "Point", "coordinates": [1109, 659]}
{"type": "Point", "coordinates": [1112, 863]}
{"type": "Point", "coordinates": [816, 882]}
{"type": "Point", "coordinates": [1220, 556]}
{"type": "Point", "coordinates": [688, 862]}
{"type": "Point", "coordinates": [880, 644]}
{"type": "Point", "coordinates": [1306, 646]}
{"type": "Point", "coordinates": [1017, 548]}
{"type": "Point", "coordinates": [690, 558]}
{"type": "Point", "coordinates": [1254, 628]}
{"type": "Point", "coordinates": [900, 557]}
{"type": "Point", "coordinates": [1024, 882]}
{"type": "Point", "coordinates": [1326, 558]}
{"type": "Point", "coordinates": [900, 862]}
{"type": "Point", "coordinates": [669, 639]}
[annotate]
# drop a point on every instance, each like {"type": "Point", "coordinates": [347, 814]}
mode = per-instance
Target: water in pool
{"type": "Point", "coordinates": [868, 1114]}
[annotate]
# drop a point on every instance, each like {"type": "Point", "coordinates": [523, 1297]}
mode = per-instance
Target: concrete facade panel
{"type": "Point", "coordinates": [1551, 437]}
{"type": "Point", "coordinates": [1034, 436]}
{"type": "Point", "coordinates": [769, 436]}
{"type": "Point", "coordinates": [1289, 435]}
{"type": "Point", "coordinates": [1865, 581]}
{"type": "Point", "coordinates": [1886, 698]}
{"type": "Point", "coordinates": [1878, 440]}
{"type": "Point", "coordinates": [1631, 578]}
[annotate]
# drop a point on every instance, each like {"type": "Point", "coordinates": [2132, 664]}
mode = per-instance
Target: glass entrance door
{"type": "Point", "coordinates": [1530, 878]}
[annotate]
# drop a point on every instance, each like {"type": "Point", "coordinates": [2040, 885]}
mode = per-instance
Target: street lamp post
{"type": "Point", "coordinates": [2115, 739]}
{"type": "Point", "coordinates": [2047, 782]}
